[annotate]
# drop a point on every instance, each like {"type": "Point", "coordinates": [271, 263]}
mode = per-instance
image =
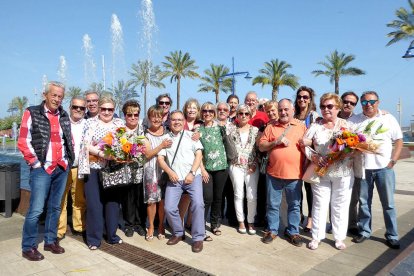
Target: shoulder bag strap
{"type": "Point", "coordinates": [179, 142]}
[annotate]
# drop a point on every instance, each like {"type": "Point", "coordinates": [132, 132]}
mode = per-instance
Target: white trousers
{"type": "Point", "coordinates": [239, 177]}
{"type": "Point", "coordinates": [336, 190]}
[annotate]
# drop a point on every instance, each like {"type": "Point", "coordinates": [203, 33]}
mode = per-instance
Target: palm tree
{"type": "Point", "coordinates": [275, 74]}
{"type": "Point", "coordinates": [213, 81]}
{"type": "Point", "coordinates": [145, 74]}
{"type": "Point", "coordinates": [73, 91]}
{"type": "Point", "coordinates": [336, 67]}
{"type": "Point", "coordinates": [19, 104]}
{"type": "Point", "coordinates": [97, 87]}
{"type": "Point", "coordinates": [179, 66]}
{"type": "Point", "coordinates": [121, 93]}
{"type": "Point", "coordinates": [404, 25]}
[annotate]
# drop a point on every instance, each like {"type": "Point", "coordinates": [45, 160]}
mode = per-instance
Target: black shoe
{"type": "Point", "coordinates": [140, 230]}
{"type": "Point", "coordinates": [77, 233]}
{"type": "Point", "coordinates": [129, 232]}
{"type": "Point", "coordinates": [353, 231]}
{"type": "Point", "coordinates": [394, 244]}
{"type": "Point", "coordinates": [360, 239]}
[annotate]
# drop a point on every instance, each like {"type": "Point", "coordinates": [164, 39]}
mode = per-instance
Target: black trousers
{"type": "Point", "coordinates": [261, 201]}
{"type": "Point", "coordinates": [213, 195]}
{"type": "Point", "coordinates": [309, 199]}
{"type": "Point", "coordinates": [133, 207]}
{"type": "Point", "coordinates": [227, 205]}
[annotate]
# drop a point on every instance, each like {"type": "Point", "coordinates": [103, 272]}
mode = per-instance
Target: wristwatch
{"type": "Point", "coordinates": [193, 173]}
{"type": "Point", "coordinates": [393, 162]}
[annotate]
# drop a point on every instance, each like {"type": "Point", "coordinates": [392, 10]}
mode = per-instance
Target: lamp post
{"type": "Point", "coordinates": [233, 74]}
{"type": "Point", "coordinates": [409, 53]}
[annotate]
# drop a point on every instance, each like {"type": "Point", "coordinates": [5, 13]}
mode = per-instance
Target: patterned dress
{"type": "Point", "coordinates": [152, 172]}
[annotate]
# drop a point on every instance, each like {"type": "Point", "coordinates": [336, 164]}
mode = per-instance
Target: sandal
{"type": "Point", "coordinates": [208, 239]}
{"type": "Point", "coordinates": [216, 231]}
{"type": "Point", "coordinates": [149, 237]}
{"type": "Point", "coordinates": [161, 236]}
{"type": "Point", "coordinates": [92, 247]}
{"type": "Point", "coordinates": [313, 245]}
{"type": "Point", "coordinates": [340, 245]}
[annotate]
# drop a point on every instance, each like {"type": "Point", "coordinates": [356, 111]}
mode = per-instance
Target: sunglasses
{"type": "Point", "coordinates": [211, 111]}
{"type": "Point", "coordinates": [103, 109]}
{"type": "Point", "coordinates": [77, 107]}
{"type": "Point", "coordinates": [222, 110]}
{"type": "Point", "coordinates": [134, 115]}
{"type": "Point", "coordinates": [349, 102]}
{"type": "Point", "coordinates": [371, 102]}
{"type": "Point", "coordinates": [164, 103]}
{"type": "Point", "coordinates": [244, 113]}
{"type": "Point", "coordinates": [328, 106]}
{"type": "Point", "coordinates": [305, 97]}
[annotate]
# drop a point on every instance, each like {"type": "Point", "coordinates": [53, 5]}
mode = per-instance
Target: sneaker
{"type": "Point", "coordinates": [129, 232]}
{"type": "Point", "coordinates": [394, 244]}
{"type": "Point", "coordinates": [141, 231]}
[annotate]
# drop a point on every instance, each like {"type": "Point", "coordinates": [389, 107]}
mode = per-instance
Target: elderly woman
{"type": "Point", "coordinates": [133, 208]}
{"type": "Point", "coordinates": [214, 166]}
{"type": "Point", "coordinates": [305, 111]}
{"type": "Point", "coordinates": [153, 192]}
{"type": "Point", "coordinates": [91, 160]}
{"type": "Point", "coordinates": [335, 186]}
{"type": "Point", "coordinates": [244, 169]}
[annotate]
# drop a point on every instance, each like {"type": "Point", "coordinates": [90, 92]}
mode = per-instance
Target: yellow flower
{"type": "Point", "coordinates": [123, 140]}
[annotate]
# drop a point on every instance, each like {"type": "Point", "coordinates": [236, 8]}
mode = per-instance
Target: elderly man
{"type": "Point", "coordinates": [74, 184]}
{"type": "Point", "coordinates": [379, 168]}
{"type": "Point", "coordinates": [46, 144]}
{"type": "Point", "coordinates": [223, 111]}
{"type": "Point", "coordinates": [92, 98]}
{"type": "Point", "coordinates": [183, 168]}
{"type": "Point", "coordinates": [281, 139]}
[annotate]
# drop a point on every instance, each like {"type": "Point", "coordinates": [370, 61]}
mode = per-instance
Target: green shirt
{"type": "Point", "coordinates": [214, 155]}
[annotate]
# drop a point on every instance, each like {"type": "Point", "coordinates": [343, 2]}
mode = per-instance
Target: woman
{"type": "Point", "coordinates": [243, 170]}
{"type": "Point", "coordinates": [91, 160]}
{"type": "Point", "coordinates": [335, 186]}
{"type": "Point", "coordinates": [233, 102]}
{"type": "Point", "coordinates": [305, 111]}
{"type": "Point", "coordinates": [214, 165]}
{"type": "Point", "coordinates": [153, 192]}
{"type": "Point", "coordinates": [133, 207]}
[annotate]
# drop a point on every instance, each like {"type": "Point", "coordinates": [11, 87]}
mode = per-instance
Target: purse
{"type": "Point", "coordinates": [229, 145]}
{"type": "Point", "coordinates": [164, 178]}
{"type": "Point", "coordinates": [310, 176]}
{"type": "Point", "coordinates": [116, 175]}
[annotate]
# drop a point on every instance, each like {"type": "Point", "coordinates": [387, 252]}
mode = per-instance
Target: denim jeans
{"type": "Point", "coordinates": [44, 186]}
{"type": "Point", "coordinates": [385, 181]}
{"type": "Point", "coordinates": [275, 187]}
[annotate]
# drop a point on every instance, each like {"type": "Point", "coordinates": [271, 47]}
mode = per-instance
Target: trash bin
{"type": "Point", "coordinates": [9, 185]}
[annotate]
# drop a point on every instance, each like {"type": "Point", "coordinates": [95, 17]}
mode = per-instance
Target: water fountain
{"type": "Point", "coordinates": [62, 69]}
{"type": "Point", "coordinates": [89, 66]}
{"type": "Point", "coordinates": [44, 83]}
{"type": "Point", "coordinates": [118, 55]}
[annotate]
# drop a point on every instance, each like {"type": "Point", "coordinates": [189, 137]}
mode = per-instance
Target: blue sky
{"type": "Point", "coordinates": [34, 34]}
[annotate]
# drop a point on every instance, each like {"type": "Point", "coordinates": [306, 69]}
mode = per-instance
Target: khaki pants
{"type": "Point", "coordinates": [75, 186]}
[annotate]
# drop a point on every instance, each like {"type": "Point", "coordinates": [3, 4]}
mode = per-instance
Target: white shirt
{"type": "Point", "coordinates": [185, 155]}
{"type": "Point", "coordinates": [393, 132]}
{"type": "Point", "coordinates": [77, 130]}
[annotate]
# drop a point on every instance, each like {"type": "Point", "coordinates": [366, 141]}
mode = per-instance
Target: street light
{"type": "Point", "coordinates": [233, 74]}
{"type": "Point", "coordinates": [408, 53]}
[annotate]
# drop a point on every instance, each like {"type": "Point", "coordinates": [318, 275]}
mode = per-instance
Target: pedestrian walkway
{"type": "Point", "coordinates": [231, 253]}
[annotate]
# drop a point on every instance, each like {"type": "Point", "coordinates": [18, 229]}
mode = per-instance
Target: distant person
{"type": "Point", "coordinates": [165, 102]}
{"type": "Point", "coordinates": [92, 98]}
{"type": "Point", "coordinates": [74, 185]}
{"type": "Point", "coordinates": [379, 169]}
{"type": "Point", "coordinates": [46, 144]}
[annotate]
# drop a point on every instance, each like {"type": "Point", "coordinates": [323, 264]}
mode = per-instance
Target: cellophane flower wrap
{"type": "Point", "coordinates": [344, 142]}
{"type": "Point", "coordinates": [124, 146]}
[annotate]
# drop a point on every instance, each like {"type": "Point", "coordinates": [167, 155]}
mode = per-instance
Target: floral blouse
{"type": "Point", "coordinates": [246, 151]}
{"type": "Point", "coordinates": [214, 155]}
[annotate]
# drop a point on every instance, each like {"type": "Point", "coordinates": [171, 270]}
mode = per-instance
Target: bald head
{"type": "Point", "coordinates": [286, 111]}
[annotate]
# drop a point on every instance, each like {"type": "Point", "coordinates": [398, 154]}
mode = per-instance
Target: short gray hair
{"type": "Point", "coordinates": [54, 83]}
{"type": "Point", "coordinates": [369, 93]}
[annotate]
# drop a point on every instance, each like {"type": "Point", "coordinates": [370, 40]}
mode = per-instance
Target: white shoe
{"type": "Point", "coordinates": [340, 245]}
{"type": "Point", "coordinates": [242, 230]}
{"type": "Point", "coordinates": [313, 245]}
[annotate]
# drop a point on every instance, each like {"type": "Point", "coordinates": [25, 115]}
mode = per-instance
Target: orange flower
{"type": "Point", "coordinates": [108, 139]}
{"type": "Point", "coordinates": [352, 141]}
{"type": "Point", "coordinates": [126, 147]}
{"type": "Point", "coordinates": [340, 141]}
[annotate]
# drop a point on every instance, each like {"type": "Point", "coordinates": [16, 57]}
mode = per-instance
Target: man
{"type": "Point", "coordinates": [350, 100]}
{"type": "Point", "coordinates": [184, 175]}
{"type": "Point", "coordinates": [233, 102]}
{"type": "Point", "coordinates": [46, 144]}
{"type": "Point", "coordinates": [259, 119]}
{"type": "Point", "coordinates": [92, 98]}
{"type": "Point", "coordinates": [284, 171]}
{"type": "Point", "coordinates": [74, 184]}
{"type": "Point", "coordinates": [223, 110]}
{"type": "Point", "coordinates": [379, 168]}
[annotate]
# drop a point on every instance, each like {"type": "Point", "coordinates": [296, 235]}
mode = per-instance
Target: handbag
{"type": "Point", "coordinates": [164, 178]}
{"type": "Point", "coordinates": [310, 176]}
{"type": "Point", "coordinates": [265, 158]}
{"type": "Point", "coordinates": [115, 175]}
{"type": "Point", "coordinates": [229, 145]}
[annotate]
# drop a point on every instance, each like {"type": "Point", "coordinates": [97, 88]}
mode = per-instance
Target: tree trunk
{"type": "Point", "coordinates": [178, 93]}
{"type": "Point", "coordinates": [274, 93]}
{"type": "Point", "coordinates": [337, 86]}
{"type": "Point", "coordinates": [217, 92]}
{"type": "Point", "coordinates": [145, 100]}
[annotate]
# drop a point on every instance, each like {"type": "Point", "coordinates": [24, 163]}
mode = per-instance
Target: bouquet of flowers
{"type": "Point", "coordinates": [124, 147]}
{"type": "Point", "coordinates": [345, 142]}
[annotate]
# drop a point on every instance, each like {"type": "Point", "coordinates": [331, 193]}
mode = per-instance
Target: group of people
{"type": "Point", "coordinates": [202, 163]}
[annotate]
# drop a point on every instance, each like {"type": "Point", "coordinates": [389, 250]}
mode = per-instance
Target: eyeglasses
{"type": "Point", "coordinates": [164, 103]}
{"type": "Point", "coordinates": [176, 120]}
{"type": "Point", "coordinates": [92, 101]}
{"type": "Point", "coordinates": [222, 110]}
{"type": "Point", "coordinates": [211, 111]}
{"type": "Point", "coordinates": [349, 102]}
{"type": "Point", "coordinates": [77, 107]}
{"type": "Point", "coordinates": [103, 109]}
{"type": "Point", "coordinates": [328, 106]}
{"type": "Point", "coordinates": [134, 115]}
{"type": "Point", "coordinates": [244, 113]}
{"type": "Point", "coordinates": [305, 97]}
{"type": "Point", "coordinates": [371, 102]}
